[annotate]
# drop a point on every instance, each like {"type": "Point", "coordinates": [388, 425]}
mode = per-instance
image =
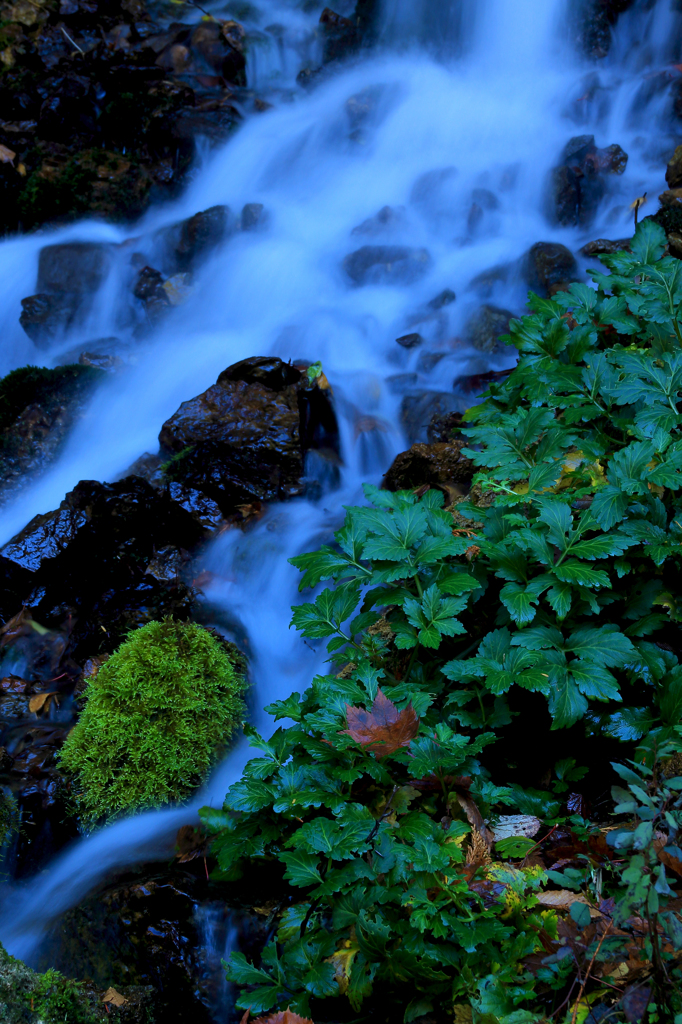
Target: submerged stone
{"type": "Point", "coordinates": [386, 264]}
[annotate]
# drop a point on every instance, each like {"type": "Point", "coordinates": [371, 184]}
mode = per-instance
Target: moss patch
{"type": "Point", "coordinates": [29, 997]}
{"type": "Point", "coordinates": [9, 817]}
{"type": "Point", "coordinates": [156, 717]}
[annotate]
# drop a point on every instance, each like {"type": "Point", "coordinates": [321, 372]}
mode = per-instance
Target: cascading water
{"type": "Point", "coordinates": [434, 132]}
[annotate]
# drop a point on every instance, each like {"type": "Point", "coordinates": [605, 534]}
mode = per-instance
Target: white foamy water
{"type": "Point", "coordinates": [487, 92]}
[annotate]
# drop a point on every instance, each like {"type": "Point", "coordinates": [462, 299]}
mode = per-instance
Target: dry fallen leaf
{"type": "Point", "coordinates": [6, 155]}
{"type": "Point", "coordinates": [40, 701]}
{"type": "Point", "coordinates": [114, 997]}
{"type": "Point", "coordinates": [191, 842]}
{"type": "Point", "coordinates": [384, 729]}
{"type": "Point", "coordinates": [563, 899]}
{"type": "Point", "coordinates": [508, 825]}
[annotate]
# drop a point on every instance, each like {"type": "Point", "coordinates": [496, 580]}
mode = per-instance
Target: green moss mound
{"type": "Point", "coordinates": [9, 817]}
{"type": "Point", "coordinates": [155, 718]}
{"type": "Point", "coordinates": [27, 996]}
{"type": "Point", "coordinates": [37, 385]}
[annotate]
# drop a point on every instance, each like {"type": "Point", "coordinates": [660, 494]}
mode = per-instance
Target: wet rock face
{"type": "Point", "coordinates": [484, 329]}
{"type": "Point", "coordinates": [418, 410]}
{"type": "Point", "coordinates": [548, 264]}
{"type": "Point", "coordinates": [86, 562]}
{"type": "Point", "coordinates": [101, 107]}
{"type": "Point", "coordinates": [439, 464]}
{"type": "Point", "coordinates": [68, 275]}
{"type": "Point", "coordinates": [580, 181]}
{"type": "Point", "coordinates": [340, 36]}
{"type": "Point", "coordinates": [593, 23]}
{"type": "Point", "coordinates": [245, 438]}
{"type": "Point", "coordinates": [38, 408]}
{"type": "Point", "coordinates": [386, 264]}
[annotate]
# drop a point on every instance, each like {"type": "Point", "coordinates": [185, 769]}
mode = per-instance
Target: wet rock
{"type": "Point", "coordinates": [46, 317]}
{"type": "Point", "coordinates": [444, 428]}
{"type": "Point", "coordinates": [245, 438]}
{"type": "Point", "coordinates": [253, 217]}
{"type": "Point", "coordinates": [486, 282]}
{"type": "Point", "coordinates": [153, 940]}
{"type": "Point", "coordinates": [38, 409]}
{"type": "Point", "coordinates": [579, 182]}
{"type": "Point", "coordinates": [86, 561]}
{"type": "Point", "coordinates": [435, 195]}
{"type": "Point", "coordinates": [25, 996]}
{"type": "Point", "coordinates": [673, 172]}
{"type": "Point", "coordinates": [444, 298]}
{"type": "Point", "coordinates": [386, 264]}
{"type": "Point", "coordinates": [484, 329]}
{"type": "Point", "coordinates": [340, 36]}
{"type": "Point", "coordinates": [400, 383]}
{"type": "Point", "coordinates": [672, 197]}
{"type": "Point", "coordinates": [410, 340]}
{"type": "Point", "coordinates": [547, 264]}
{"type": "Point", "coordinates": [418, 410]}
{"type": "Point", "coordinates": [74, 267]}
{"type": "Point", "coordinates": [434, 464]}
{"type": "Point", "coordinates": [605, 246]}
{"type": "Point", "coordinates": [107, 119]}
{"type": "Point", "coordinates": [593, 21]}
{"type": "Point", "coordinates": [387, 218]}
{"type": "Point", "coordinates": [195, 238]}
{"type": "Point", "coordinates": [367, 14]}
{"type": "Point", "coordinates": [149, 289]}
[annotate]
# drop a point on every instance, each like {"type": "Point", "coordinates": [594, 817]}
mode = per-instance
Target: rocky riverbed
{"type": "Point", "coordinates": [113, 111]}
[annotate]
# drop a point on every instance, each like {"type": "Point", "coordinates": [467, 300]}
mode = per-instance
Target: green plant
{"type": "Point", "coordinates": [156, 716]}
{"type": "Point", "coordinates": [546, 600]}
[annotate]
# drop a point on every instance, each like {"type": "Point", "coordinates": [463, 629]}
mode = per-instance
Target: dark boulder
{"type": "Point", "coordinates": [605, 246]}
{"type": "Point", "coordinates": [367, 19]}
{"type": "Point", "coordinates": [418, 410]}
{"type": "Point", "coordinates": [38, 408]}
{"type": "Point", "coordinates": [673, 172]}
{"type": "Point", "coordinates": [195, 238]}
{"type": "Point", "coordinates": [384, 221]}
{"type": "Point", "coordinates": [246, 437]}
{"type": "Point", "coordinates": [253, 217]}
{"type": "Point", "coordinates": [433, 464]}
{"type": "Point", "coordinates": [486, 326]}
{"type": "Point", "coordinates": [410, 340]}
{"type": "Point", "coordinates": [548, 264]}
{"type": "Point", "coordinates": [86, 561]}
{"type": "Point", "coordinates": [386, 264]}
{"type": "Point", "coordinates": [74, 267]}
{"type": "Point", "coordinates": [579, 182]}
{"type": "Point", "coordinates": [444, 428]}
{"type": "Point", "coordinates": [593, 21]}
{"type": "Point", "coordinates": [340, 36]}
{"type": "Point", "coordinates": [46, 317]}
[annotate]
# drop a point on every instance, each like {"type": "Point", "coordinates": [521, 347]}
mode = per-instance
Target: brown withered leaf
{"type": "Point", "coordinates": [474, 817]}
{"type": "Point", "coordinates": [384, 729]}
{"type": "Point", "coordinates": [190, 842]}
{"type": "Point", "coordinates": [40, 701]}
{"type": "Point", "coordinates": [635, 1002]}
{"type": "Point", "coordinates": [282, 1017]}
{"type": "Point", "coordinates": [6, 155]}
{"type": "Point", "coordinates": [114, 997]}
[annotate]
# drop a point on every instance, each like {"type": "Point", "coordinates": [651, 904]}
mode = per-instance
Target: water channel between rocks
{"type": "Point", "coordinates": [454, 122]}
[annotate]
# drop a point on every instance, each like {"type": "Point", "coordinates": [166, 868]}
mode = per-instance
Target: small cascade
{"type": "Point", "coordinates": [444, 139]}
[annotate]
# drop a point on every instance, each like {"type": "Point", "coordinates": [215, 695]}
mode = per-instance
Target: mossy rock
{"type": "Point", "coordinates": [27, 997]}
{"type": "Point", "coordinates": [95, 181]}
{"type": "Point", "coordinates": [9, 817]}
{"type": "Point", "coordinates": [156, 718]}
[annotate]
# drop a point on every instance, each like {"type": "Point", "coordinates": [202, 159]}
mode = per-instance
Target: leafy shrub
{"type": "Point", "coordinates": [156, 716]}
{"type": "Point", "coordinates": [552, 587]}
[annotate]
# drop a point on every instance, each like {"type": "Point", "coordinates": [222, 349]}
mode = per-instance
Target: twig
{"type": "Point", "coordinates": [387, 811]}
{"type": "Point", "coordinates": [63, 30]}
{"type": "Point", "coordinates": [574, 1015]}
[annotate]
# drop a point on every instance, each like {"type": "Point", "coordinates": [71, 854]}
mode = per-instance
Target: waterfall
{"type": "Point", "coordinates": [467, 105]}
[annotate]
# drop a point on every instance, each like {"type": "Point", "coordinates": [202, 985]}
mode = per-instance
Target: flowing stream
{"type": "Point", "coordinates": [487, 92]}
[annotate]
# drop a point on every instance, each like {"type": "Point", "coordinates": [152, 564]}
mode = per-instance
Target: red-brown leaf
{"type": "Point", "coordinates": [282, 1017]}
{"type": "Point", "coordinates": [384, 729]}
